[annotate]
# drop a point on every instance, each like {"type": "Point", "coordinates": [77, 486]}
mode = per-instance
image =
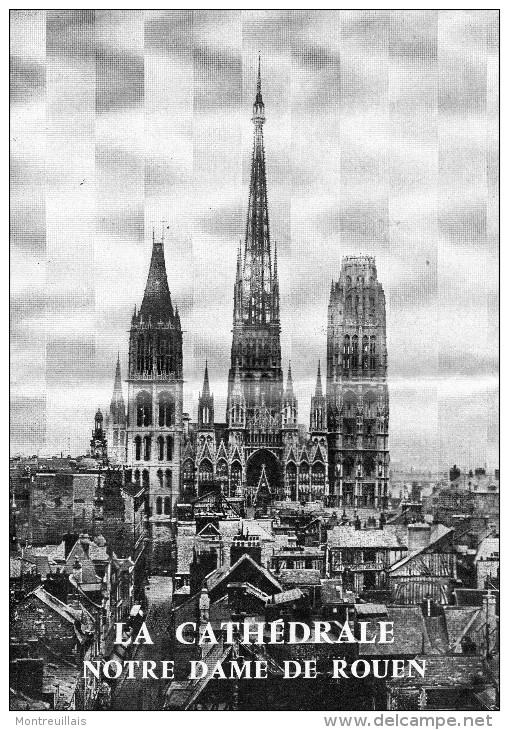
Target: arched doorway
{"type": "Point", "coordinates": [261, 491]}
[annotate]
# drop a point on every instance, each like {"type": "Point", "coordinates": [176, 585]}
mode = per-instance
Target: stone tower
{"type": "Point", "coordinates": [256, 348]}
{"type": "Point", "coordinates": [98, 443]}
{"type": "Point", "coordinates": [357, 395]}
{"type": "Point", "coordinates": [116, 421]}
{"type": "Point", "coordinates": [154, 430]}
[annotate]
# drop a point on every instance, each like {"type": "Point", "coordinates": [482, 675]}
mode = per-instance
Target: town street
{"type": "Point", "coordinates": [148, 694]}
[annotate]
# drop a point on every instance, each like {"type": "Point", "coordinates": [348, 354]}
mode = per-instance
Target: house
{"type": "Point", "coordinates": [429, 567]}
{"type": "Point", "coordinates": [362, 558]}
{"type": "Point", "coordinates": [49, 642]}
{"type": "Point", "coordinates": [487, 563]}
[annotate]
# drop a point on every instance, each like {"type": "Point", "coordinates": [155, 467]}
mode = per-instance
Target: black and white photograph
{"type": "Point", "coordinates": [254, 353]}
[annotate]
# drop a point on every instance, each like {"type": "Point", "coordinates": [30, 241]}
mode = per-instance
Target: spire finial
{"type": "Point", "coordinates": [258, 105]}
{"type": "Point", "coordinates": [239, 261]}
{"type": "Point", "coordinates": [275, 259]}
{"type": "Point", "coordinates": [206, 385]}
{"type": "Point", "coordinates": [289, 383]}
{"type": "Point", "coordinates": [318, 389]}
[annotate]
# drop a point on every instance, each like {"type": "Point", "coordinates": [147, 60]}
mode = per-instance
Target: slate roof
{"type": "Point", "coordinates": [214, 578]}
{"type": "Point", "coordinates": [66, 677]}
{"type": "Point", "coordinates": [453, 670]}
{"type": "Point", "coordinates": [301, 552]}
{"type": "Point", "coordinates": [331, 591]}
{"type": "Point", "coordinates": [88, 570]}
{"type": "Point", "coordinates": [457, 620]}
{"type": "Point", "coordinates": [410, 634]}
{"type": "Point", "coordinates": [437, 533]}
{"type": "Point", "coordinates": [286, 596]}
{"type": "Point", "coordinates": [347, 536]}
{"type": "Point", "coordinates": [66, 612]}
{"type": "Point", "coordinates": [304, 577]}
{"type": "Point", "coordinates": [370, 609]}
{"type": "Point", "coordinates": [487, 547]}
{"type": "Point", "coordinates": [52, 552]}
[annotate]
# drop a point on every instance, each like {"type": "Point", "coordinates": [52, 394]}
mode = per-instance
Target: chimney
{"type": "Point", "coordinates": [77, 571]}
{"type": "Point", "coordinates": [246, 544]}
{"type": "Point", "coordinates": [419, 534]}
{"type": "Point", "coordinates": [490, 609]}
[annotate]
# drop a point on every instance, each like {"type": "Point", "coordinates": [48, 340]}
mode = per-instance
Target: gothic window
{"type": "Point", "coordinates": [348, 305]}
{"type": "Point", "coordinates": [370, 403]}
{"type": "Point", "coordinates": [145, 480]}
{"type": "Point", "coordinates": [137, 448]}
{"type": "Point", "coordinates": [291, 474]}
{"type": "Point", "coordinates": [360, 280]}
{"type": "Point", "coordinates": [349, 281]}
{"type": "Point", "coordinates": [355, 351]}
{"type": "Point", "coordinates": [169, 448]}
{"type": "Point", "coordinates": [167, 506]}
{"type": "Point", "coordinates": [167, 479]}
{"type": "Point", "coordinates": [166, 410]}
{"type": "Point", "coordinates": [143, 409]}
{"type": "Point", "coordinates": [160, 448]}
{"type": "Point", "coordinates": [365, 349]}
{"type": "Point", "coordinates": [372, 352]}
{"type": "Point", "coordinates": [222, 472]}
{"type": "Point", "coordinates": [346, 352]}
{"type": "Point", "coordinates": [236, 477]}
{"type": "Point", "coordinates": [369, 465]}
{"type": "Point", "coordinates": [188, 470]}
{"type": "Point", "coordinates": [115, 437]}
{"type": "Point", "coordinates": [350, 403]}
{"type": "Point", "coordinates": [304, 473]}
{"type": "Point", "coordinates": [205, 472]}
{"type": "Point", "coordinates": [159, 505]}
{"type": "Point", "coordinates": [348, 466]}
{"type": "Point", "coordinates": [139, 355]}
{"type": "Point", "coordinates": [147, 448]}
{"type": "Point", "coordinates": [160, 477]}
{"type": "Point", "coordinates": [349, 427]}
{"type": "Point", "coordinates": [137, 476]}
{"type": "Point", "coordinates": [318, 475]}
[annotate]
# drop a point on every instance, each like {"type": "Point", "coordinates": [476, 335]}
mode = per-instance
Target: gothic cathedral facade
{"type": "Point", "coordinates": [260, 454]}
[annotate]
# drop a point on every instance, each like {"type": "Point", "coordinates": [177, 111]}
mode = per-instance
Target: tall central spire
{"type": "Point", "coordinates": [260, 295]}
{"type": "Point", "coordinates": [256, 346]}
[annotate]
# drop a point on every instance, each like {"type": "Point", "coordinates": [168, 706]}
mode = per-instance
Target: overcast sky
{"type": "Point", "coordinates": [381, 138]}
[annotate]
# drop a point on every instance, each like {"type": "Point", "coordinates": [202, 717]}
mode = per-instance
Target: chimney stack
{"type": "Point", "coordinates": [419, 534]}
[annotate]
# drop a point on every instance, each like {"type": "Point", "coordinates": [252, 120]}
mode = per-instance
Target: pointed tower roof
{"type": "Point", "coordinates": [206, 385]}
{"type": "Point", "coordinates": [117, 405]}
{"type": "Point", "coordinates": [258, 274]}
{"type": "Point", "coordinates": [318, 388]}
{"type": "Point", "coordinates": [117, 386]}
{"type": "Point", "coordinates": [289, 383]}
{"type": "Point", "coordinates": [157, 299]}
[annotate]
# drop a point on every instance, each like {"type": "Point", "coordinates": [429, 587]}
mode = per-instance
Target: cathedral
{"type": "Point", "coordinates": [261, 454]}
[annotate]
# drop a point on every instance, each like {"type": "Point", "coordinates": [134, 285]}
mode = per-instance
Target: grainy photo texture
{"type": "Point", "coordinates": [254, 356]}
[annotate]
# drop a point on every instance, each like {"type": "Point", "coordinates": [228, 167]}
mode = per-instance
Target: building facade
{"type": "Point", "coordinates": [357, 393]}
{"type": "Point", "coordinates": [261, 453]}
